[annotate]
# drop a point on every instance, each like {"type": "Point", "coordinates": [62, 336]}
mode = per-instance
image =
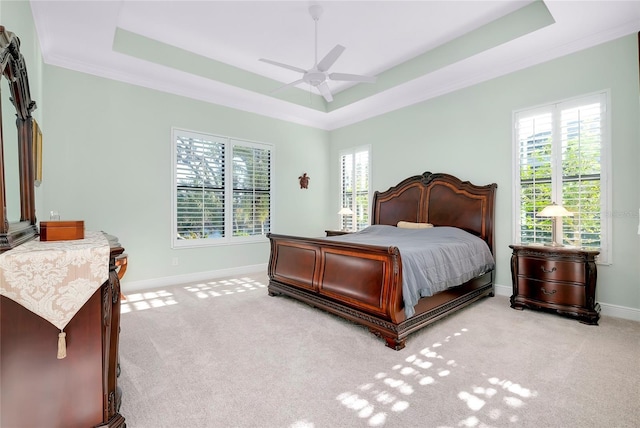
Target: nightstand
{"type": "Point", "coordinates": [558, 279]}
{"type": "Point", "coordinates": [336, 232]}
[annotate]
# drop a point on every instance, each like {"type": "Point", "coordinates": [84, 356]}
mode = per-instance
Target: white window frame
{"type": "Point", "coordinates": [353, 224]}
{"type": "Point", "coordinates": [228, 238]}
{"type": "Point", "coordinates": [603, 97]}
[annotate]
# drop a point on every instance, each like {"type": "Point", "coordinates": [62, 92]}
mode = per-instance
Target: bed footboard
{"type": "Point", "coordinates": [363, 277]}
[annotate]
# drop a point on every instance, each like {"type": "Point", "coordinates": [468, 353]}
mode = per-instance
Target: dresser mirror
{"type": "Point", "coordinates": [17, 190]}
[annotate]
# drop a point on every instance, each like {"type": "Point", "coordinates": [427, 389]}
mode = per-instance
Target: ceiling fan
{"type": "Point", "coordinates": [318, 75]}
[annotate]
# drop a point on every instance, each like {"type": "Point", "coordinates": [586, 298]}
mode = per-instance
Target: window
{"type": "Point", "coordinates": [561, 155]}
{"type": "Point", "coordinates": [222, 189]}
{"type": "Point", "coordinates": [354, 187]}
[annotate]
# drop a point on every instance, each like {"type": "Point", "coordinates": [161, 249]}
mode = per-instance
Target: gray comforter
{"type": "Point", "coordinates": [433, 259]}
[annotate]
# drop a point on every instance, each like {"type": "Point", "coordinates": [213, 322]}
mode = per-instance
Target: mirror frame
{"type": "Point", "coordinates": [14, 69]}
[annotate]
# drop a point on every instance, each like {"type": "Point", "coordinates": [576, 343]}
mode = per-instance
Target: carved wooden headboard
{"type": "Point", "coordinates": [439, 199]}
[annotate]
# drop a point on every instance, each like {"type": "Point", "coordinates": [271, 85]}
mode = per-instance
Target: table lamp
{"type": "Point", "coordinates": [343, 212]}
{"type": "Point", "coordinates": [554, 211]}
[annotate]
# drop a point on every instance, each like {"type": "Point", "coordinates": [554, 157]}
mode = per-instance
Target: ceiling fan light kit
{"type": "Point", "coordinates": [318, 75]}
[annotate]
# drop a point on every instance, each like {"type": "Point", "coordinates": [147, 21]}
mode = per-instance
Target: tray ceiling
{"type": "Point", "coordinates": [209, 50]}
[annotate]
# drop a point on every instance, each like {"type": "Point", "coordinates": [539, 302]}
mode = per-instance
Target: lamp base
{"type": "Point", "coordinates": [554, 242]}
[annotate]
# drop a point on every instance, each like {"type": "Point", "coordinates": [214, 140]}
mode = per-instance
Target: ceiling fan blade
{"type": "Point", "coordinates": [352, 77]}
{"type": "Point", "coordinates": [279, 64]}
{"type": "Point", "coordinates": [325, 91]}
{"type": "Point", "coordinates": [288, 85]}
{"type": "Point", "coordinates": [326, 62]}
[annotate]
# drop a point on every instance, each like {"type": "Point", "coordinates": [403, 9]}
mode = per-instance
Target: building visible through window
{"type": "Point", "coordinates": [561, 156]}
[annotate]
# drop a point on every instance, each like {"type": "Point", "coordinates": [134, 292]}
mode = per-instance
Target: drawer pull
{"type": "Point", "coordinates": [553, 269]}
{"type": "Point", "coordinates": [548, 293]}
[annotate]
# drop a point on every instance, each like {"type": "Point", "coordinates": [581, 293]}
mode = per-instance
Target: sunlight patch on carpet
{"type": "Point", "coordinates": [499, 400]}
{"type": "Point", "coordinates": [302, 424]}
{"type": "Point", "coordinates": [147, 300]}
{"type": "Point", "coordinates": [390, 393]}
{"type": "Point", "coordinates": [224, 287]}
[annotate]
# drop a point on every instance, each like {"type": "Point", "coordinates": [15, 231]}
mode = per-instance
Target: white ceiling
{"type": "Point", "coordinates": [379, 36]}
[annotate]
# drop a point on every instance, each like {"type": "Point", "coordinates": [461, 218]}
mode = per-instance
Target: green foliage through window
{"type": "Point", "coordinates": [560, 151]}
{"type": "Point", "coordinates": [222, 188]}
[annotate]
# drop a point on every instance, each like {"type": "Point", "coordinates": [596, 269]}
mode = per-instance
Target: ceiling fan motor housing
{"type": "Point", "coordinates": [314, 77]}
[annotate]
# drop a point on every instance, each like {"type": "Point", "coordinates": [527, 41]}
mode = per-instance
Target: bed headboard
{"type": "Point", "coordinates": [439, 199]}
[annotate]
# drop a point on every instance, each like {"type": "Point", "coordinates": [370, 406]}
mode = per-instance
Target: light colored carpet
{"type": "Point", "coordinates": [225, 354]}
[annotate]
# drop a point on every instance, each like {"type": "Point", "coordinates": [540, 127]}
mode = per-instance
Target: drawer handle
{"type": "Point", "coordinates": [553, 269]}
{"type": "Point", "coordinates": [548, 293]}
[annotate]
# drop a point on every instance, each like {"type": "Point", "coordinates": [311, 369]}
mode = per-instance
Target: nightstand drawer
{"type": "Point", "coordinates": [561, 294]}
{"type": "Point", "coordinates": [552, 270]}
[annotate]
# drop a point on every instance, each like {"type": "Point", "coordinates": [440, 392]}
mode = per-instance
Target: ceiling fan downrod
{"type": "Point", "coordinates": [315, 10]}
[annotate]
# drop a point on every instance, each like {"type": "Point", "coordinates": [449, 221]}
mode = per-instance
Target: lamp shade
{"type": "Point", "coordinates": [345, 211]}
{"type": "Point", "coordinates": [554, 210]}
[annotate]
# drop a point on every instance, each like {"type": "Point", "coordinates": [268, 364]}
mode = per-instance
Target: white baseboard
{"type": "Point", "coordinates": [503, 290]}
{"type": "Point", "coordinates": [606, 309]}
{"type": "Point", "coordinates": [616, 311]}
{"type": "Point", "coordinates": [167, 281]}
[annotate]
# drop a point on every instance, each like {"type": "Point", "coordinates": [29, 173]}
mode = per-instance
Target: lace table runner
{"type": "Point", "coordinates": [54, 279]}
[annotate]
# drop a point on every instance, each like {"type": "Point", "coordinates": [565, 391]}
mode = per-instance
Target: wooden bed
{"type": "Point", "coordinates": [363, 283]}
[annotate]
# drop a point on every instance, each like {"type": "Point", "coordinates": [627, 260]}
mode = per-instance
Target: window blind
{"type": "Point", "coordinates": [222, 189]}
{"type": "Point", "coordinates": [200, 182]}
{"type": "Point", "coordinates": [354, 187]}
{"type": "Point", "coordinates": [346, 189]}
{"type": "Point", "coordinates": [560, 152]}
{"type": "Point", "coordinates": [251, 190]}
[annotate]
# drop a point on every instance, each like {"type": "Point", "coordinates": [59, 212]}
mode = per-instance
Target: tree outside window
{"type": "Point", "coordinates": [560, 152]}
{"type": "Point", "coordinates": [222, 189]}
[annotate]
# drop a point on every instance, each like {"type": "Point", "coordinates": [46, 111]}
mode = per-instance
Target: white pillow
{"type": "Point", "coordinates": [412, 225]}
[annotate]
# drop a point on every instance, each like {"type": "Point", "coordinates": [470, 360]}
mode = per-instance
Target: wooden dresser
{"type": "Point", "coordinates": [39, 390]}
{"type": "Point", "coordinates": [558, 279]}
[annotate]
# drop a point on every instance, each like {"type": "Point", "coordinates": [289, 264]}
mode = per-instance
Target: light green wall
{"type": "Point", "coordinates": [108, 161]}
{"type": "Point", "coordinates": [468, 133]}
{"type": "Point", "coordinates": [107, 155]}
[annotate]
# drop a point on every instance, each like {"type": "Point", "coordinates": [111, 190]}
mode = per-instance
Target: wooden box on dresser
{"type": "Point", "coordinates": [559, 279]}
{"type": "Point", "coordinates": [80, 390]}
